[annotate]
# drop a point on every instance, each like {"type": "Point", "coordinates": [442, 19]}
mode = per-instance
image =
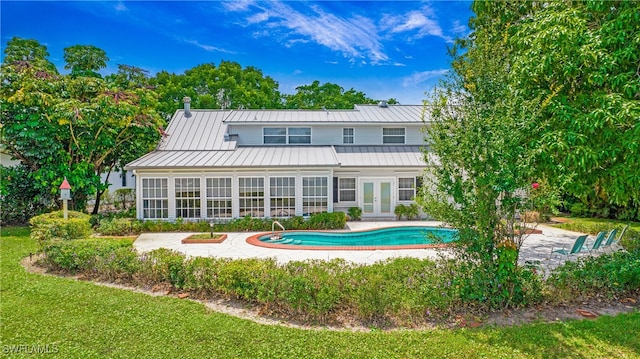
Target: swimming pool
{"type": "Point", "coordinates": [410, 237]}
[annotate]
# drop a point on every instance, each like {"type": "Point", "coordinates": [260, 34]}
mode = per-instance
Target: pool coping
{"type": "Point", "coordinates": [255, 241]}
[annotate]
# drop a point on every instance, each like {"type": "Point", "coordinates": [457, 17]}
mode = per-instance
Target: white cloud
{"type": "Point", "coordinates": [459, 28]}
{"type": "Point", "coordinates": [420, 23]}
{"type": "Point", "coordinates": [399, 64]}
{"type": "Point", "coordinates": [237, 5]}
{"type": "Point", "coordinates": [209, 48]}
{"type": "Point", "coordinates": [297, 72]}
{"type": "Point", "coordinates": [419, 77]}
{"type": "Point", "coordinates": [355, 37]}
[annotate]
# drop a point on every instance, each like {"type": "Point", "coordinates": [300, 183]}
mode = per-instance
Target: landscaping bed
{"type": "Point", "coordinates": [204, 238]}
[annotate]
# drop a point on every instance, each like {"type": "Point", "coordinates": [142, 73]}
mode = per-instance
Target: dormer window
{"type": "Point", "coordinates": [286, 135]}
{"type": "Point", "coordinates": [393, 135]}
{"type": "Point", "coordinates": [275, 135]}
{"type": "Point", "coordinates": [299, 135]}
{"type": "Point", "coordinates": [347, 136]}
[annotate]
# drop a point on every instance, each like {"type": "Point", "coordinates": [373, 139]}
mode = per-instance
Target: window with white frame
{"type": "Point", "coordinates": [219, 197]}
{"type": "Point", "coordinates": [284, 135]}
{"type": "Point", "coordinates": [282, 196]}
{"type": "Point", "coordinates": [347, 136]}
{"type": "Point", "coordinates": [393, 135]}
{"type": "Point", "coordinates": [155, 198]}
{"type": "Point", "coordinates": [187, 192]}
{"type": "Point", "coordinates": [406, 188]}
{"type": "Point", "coordinates": [346, 189]}
{"type": "Point", "coordinates": [251, 196]}
{"type": "Point", "coordinates": [299, 135]}
{"type": "Point", "coordinates": [315, 196]}
{"type": "Point", "coordinates": [274, 135]}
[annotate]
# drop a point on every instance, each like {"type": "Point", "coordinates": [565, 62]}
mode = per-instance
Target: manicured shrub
{"type": "Point", "coordinates": [53, 226]}
{"type": "Point", "coordinates": [355, 213]}
{"type": "Point", "coordinates": [162, 266]}
{"type": "Point", "coordinates": [119, 227]}
{"type": "Point", "coordinates": [400, 211]}
{"type": "Point", "coordinates": [82, 254]}
{"type": "Point", "coordinates": [312, 288]}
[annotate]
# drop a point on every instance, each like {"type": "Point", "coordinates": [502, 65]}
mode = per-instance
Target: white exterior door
{"type": "Point", "coordinates": [376, 197]}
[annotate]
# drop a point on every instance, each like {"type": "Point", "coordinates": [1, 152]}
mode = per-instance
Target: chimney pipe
{"type": "Point", "coordinates": [187, 106]}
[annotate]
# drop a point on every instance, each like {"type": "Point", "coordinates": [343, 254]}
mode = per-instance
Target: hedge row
{"type": "Point", "coordinates": [399, 292]}
{"type": "Point", "coordinates": [123, 226]}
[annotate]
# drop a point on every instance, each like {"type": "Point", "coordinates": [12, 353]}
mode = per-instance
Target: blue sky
{"type": "Point", "coordinates": [383, 48]}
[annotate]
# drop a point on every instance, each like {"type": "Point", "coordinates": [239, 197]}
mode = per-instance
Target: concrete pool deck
{"type": "Point", "coordinates": [536, 248]}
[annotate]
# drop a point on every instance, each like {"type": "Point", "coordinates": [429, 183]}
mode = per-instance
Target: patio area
{"type": "Point", "coordinates": [536, 249]}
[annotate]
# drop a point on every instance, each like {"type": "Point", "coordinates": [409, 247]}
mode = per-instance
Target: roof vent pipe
{"type": "Point", "coordinates": [187, 106]}
{"type": "Point", "coordinates": [383, 104]}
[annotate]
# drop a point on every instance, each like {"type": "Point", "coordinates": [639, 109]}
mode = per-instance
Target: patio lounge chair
{"type": "Point", "coordinates": [598, 242]}
{"type": "Point", "coordinates": [612, 239]}
{"type": "Point", "coordinates": [575, 249]}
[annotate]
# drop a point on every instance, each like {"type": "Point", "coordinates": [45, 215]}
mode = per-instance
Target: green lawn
{"type": "Point", "coordinates": [82, 320]}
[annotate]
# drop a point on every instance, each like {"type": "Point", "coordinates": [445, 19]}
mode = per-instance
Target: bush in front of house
{"type": "Point", "coordinates": [90, 255]}
{"type": "Point", "coordinates": [115, 226]}
{"type": "Point", "coordinates": [398, 292]}
{"type": "Point", "coordinates": [52, 226]}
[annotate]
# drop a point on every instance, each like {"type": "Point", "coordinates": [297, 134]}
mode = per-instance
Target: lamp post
{"type": "Point", "coordinates": [211, 229]}
{"type": "Point", "coordinates": [65, 195]}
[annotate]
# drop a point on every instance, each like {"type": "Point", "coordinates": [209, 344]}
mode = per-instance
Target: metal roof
{"type": "Point", "coordinates": [203, 131]}
{"type": "Point", "coordinates": [361, 114]}
{"type": "Point", "coordinates": [242, 157]}
{"type": "Point", "coordinates": [199, 141]}
{"type": "Point", "coordinates": [286, 156]}
{"type": "Point", "coordinates": [380, 156]}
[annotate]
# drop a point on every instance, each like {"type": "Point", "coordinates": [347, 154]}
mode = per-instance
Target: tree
{"type": "Point", "coordinates": [79, 125]}
{"type": "Point", "coordinates": [584, 56]}
{"type": "Point", "coordinates": [481, 166]}
{"type": "Point", "coordinates": [327, 96]}
{"type": "Point", "coordinates": [228, 86]}
{"type": "Point", "coordinates": [85, 60]}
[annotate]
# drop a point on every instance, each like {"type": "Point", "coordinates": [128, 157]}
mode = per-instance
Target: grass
{"type": "Point", "coordinates": [593, 225]}
{"type": "Point", "coordinates": [80, 319]}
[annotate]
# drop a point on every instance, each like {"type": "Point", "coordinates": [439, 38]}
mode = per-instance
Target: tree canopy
{"type": "Point", "coordinates": [78, 125]}
{"type": "Point", "coordinates": [328, 96]}
{"type": "Point", "coordinates": [583, 57]}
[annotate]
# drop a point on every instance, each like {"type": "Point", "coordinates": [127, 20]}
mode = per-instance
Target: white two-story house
{"type": "Point", "coordinates": [221, 164]}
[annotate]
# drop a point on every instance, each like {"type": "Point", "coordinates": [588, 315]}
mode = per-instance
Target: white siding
{"type": "Point", "coordinates": [331, 134]}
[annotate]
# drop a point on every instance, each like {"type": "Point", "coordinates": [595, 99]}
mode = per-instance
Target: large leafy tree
{"type": "Point", "coordinates": [78, 125]}
{"type": "Point", "coordinates": [227, 86]}
{"type": "Point", "coordinates": [584, 56]}
{"type": "Point", "coordinates": [327, 95]}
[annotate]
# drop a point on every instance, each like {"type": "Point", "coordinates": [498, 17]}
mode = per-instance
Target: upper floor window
{"type": "Point", "coordinates": [275, 135]}
{"type": "Point", "coordinates": [284, 135]}
{"type": "Point", "coordinates": [298, 135]}
{"type": "Point", "coordinates": [393, 135]}
{"type": "Point", "coordinates": [347, 135]}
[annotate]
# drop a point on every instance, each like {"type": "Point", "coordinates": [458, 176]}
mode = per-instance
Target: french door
{"type": "Point", "coordinates": [376, 197]}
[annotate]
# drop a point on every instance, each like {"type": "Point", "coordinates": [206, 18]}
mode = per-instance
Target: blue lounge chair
{"type": "Point", "coordinates": [612, 239]}
{"type": "Point", "coordinates": [597, 242]}
{"type": "Point", "coordinates": [575, 249]}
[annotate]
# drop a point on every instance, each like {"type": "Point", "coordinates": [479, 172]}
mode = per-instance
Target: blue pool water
{"type": "Point", "coordinates": [394, 236]}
